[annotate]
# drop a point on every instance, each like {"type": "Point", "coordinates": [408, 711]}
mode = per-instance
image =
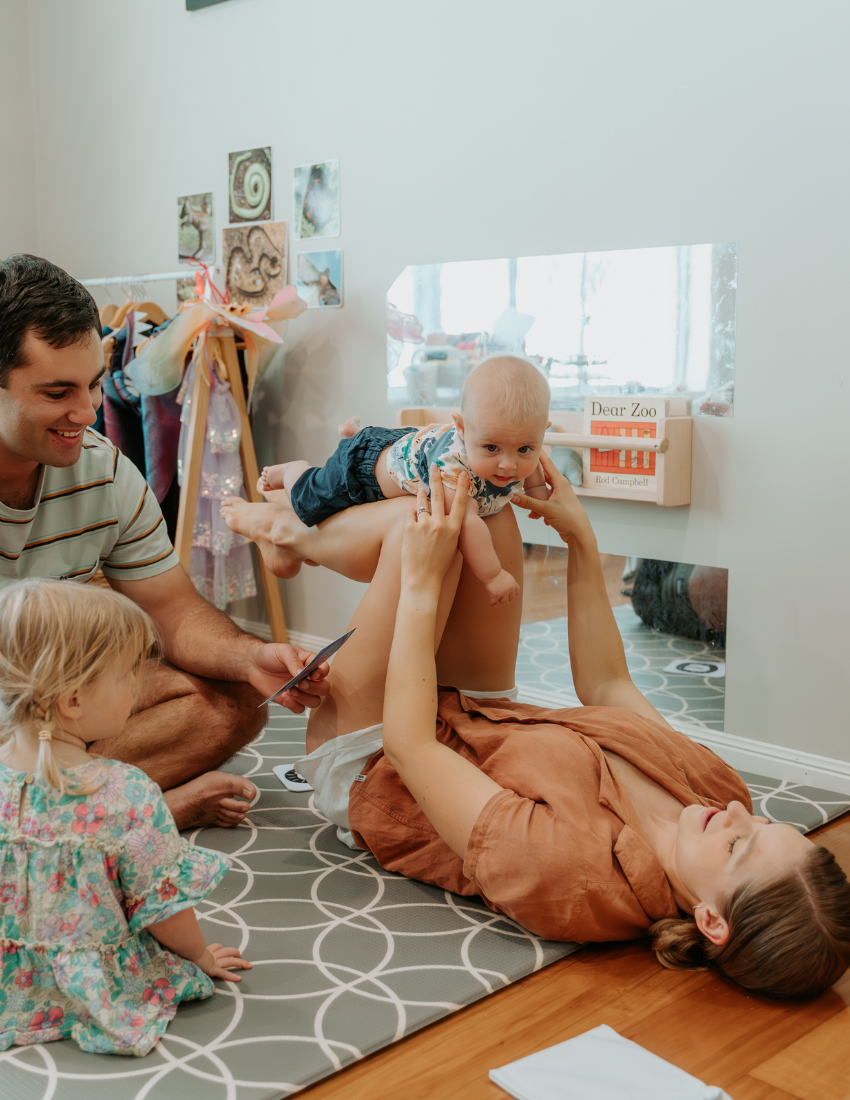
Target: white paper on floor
{"type": "Point", "coordinates": [691, 667]}
{"type": "Point", "coordinates": [600, 1065]}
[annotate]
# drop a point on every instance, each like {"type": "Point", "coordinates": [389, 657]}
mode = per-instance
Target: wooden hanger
{"type": "Point", "coordinates": [153, 313]}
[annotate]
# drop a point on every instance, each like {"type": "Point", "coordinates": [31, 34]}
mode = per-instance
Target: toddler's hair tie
{"type": "Point", "coordinates": [45, 735]}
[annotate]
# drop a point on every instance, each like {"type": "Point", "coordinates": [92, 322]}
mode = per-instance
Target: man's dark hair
{"type": "Point", "coordinates": [38, 296]}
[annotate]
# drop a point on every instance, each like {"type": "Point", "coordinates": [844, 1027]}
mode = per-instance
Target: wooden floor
{"type": "Point", "coordinates": [544, 593]}
{"type": "Point", "coordinates": [754, 1049]}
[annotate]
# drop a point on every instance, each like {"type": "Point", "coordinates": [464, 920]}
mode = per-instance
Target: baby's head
{"type": "Point", "coordinates": [504, 412]}
{"type": "Point", "coordinates": [70, 659]}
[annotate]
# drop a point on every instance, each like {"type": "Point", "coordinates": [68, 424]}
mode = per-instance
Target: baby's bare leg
{"type": "Point", "coordinates": [476, 545]}
{"type": "Point", "coordinates": [386, 482]}
{"type": "Point", "coordinates": [282, 476]}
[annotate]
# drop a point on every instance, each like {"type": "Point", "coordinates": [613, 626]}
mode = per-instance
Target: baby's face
{"type": "Point", "coordinates": [501, 451]}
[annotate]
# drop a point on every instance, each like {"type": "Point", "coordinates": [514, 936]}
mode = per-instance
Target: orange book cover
{"type": "Point", "coordinates": [620, 418]}
{"type": "Point", "coordinates": [605, 461]}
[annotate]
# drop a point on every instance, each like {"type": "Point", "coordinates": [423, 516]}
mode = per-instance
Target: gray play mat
{"type": "Point", "coordinates": [347, 958]}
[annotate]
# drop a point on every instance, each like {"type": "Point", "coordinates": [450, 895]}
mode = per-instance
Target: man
{"type": "Point", "coordinates": [71, 504]}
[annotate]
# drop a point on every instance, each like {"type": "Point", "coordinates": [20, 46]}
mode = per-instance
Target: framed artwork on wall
{"type": "Point", "coordinates": [254, 262]}
{"type": "Point", "coordinates": [250, 185]}
{"type": "Point", "coordinates": [318, 277]}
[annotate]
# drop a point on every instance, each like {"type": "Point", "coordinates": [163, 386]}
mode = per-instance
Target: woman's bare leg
{"type": "Point", "coordinates": [348, 543]}
{"type": "Point", "coordinates": [358, 673]}
{"type": "Point", "coordinates": [479, 645]}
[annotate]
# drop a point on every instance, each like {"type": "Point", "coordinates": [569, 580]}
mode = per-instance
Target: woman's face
{"type": "Point", "coordinates": [719, 850]}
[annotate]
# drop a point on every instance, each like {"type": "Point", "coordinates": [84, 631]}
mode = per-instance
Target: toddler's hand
{"type": "Point", "coordinates": [502, 589]}
{"type": "Point", "coordinates": [217, 961]}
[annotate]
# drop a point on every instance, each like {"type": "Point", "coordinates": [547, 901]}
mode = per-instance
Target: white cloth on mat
{"type": "Point", "coordinates": [600, 1065]}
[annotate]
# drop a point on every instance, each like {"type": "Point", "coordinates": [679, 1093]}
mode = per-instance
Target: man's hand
{"type": "Point", "coordinates": [271, 665]}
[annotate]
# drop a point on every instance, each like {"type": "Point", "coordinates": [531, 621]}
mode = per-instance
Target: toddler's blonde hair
{"type": "Point", "coordinates": [510, 386]}
{"type": "Point", "coordinates": [56, 636]}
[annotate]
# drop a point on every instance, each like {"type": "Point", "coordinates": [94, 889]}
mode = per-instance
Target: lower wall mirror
{"type": "Point", "coordinates": [671, 616]}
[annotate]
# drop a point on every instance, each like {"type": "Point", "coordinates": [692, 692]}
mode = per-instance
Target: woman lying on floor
{"type": "Point", "coordinates": [594, 823]}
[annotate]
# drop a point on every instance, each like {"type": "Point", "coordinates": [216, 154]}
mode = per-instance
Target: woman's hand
{"type": "Point", "coordinates": [562, 510]}
{"type": "Point", "coordinates": [217, 962]}
{"type": "Point", "coordinates": [430, 536]}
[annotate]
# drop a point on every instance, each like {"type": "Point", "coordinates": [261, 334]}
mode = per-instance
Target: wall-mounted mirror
{"type": "Point", "coordinates": [671, 617]}
{"type": "Point", "coordinates": [646, 320]}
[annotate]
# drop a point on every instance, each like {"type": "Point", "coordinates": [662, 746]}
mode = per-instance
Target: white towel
{"type": "Point", "coordinates": [600, 1065]}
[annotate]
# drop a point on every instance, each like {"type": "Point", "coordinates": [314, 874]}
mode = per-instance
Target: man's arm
{"type": "Point", "coordinates": [204, 641]}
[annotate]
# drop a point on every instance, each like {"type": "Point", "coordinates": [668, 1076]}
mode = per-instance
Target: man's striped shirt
{"type": "Point", "coordinates": [98, 513]}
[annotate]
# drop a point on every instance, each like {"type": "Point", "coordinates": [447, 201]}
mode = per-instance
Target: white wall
{"type": "Point", "coordinates": [489, 128]}
{"type": "Point", "coordinates": [18, 184]}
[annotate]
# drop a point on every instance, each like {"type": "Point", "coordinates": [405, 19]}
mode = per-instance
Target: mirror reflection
{"type": "Point", "coordinates": [671, 617]}
{"type": "Point", "coordinates": [648, 320]}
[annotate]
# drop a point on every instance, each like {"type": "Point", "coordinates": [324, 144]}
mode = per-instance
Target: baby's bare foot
{"type": "Point", "coordinates": [349, 427]}
{"type": "Point", "coordinates": [214, 798]}
{"type": "Point", "coordinates": [264, 524]}
{"type": "Point", "coordinates": [272, 477]}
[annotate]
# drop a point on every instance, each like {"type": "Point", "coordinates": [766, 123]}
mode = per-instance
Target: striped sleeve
{"type": "Point", "coordinates": [143, 548]}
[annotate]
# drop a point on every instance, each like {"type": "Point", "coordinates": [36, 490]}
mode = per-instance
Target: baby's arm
{"type": "Point", "coordinates": [182, 935]}
{"type": "Point", "coordinates": [477, 548]}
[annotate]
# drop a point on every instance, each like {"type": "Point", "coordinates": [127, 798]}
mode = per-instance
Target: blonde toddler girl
{"type": "Point", "coordinates": [99, 941]}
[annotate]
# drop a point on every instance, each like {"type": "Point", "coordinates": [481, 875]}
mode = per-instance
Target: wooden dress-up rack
{"type": "Point", "coordinates": [221, 347]}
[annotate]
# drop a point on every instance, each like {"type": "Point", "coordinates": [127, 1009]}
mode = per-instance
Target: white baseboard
{"type": "Point", "coordinates": [743, 753]}
{"type": "Point", "coordinates": [306, 641]}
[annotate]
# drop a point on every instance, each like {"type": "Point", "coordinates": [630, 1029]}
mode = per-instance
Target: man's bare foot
{"type": "Point", "coordinates": [349, 427]}
{"type": "Point", "coordinates": [265, 524]}
{"type": "Point", "coordinates": [214, 798]}
{"type": "Point", "coordinates": [282, 476]}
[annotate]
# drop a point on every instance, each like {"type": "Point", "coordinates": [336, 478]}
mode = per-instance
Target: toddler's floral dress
{"type": "Point", "coordinates": [81, 877]}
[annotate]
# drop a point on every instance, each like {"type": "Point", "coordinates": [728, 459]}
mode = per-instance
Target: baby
{"type": "Point", "coordinates": [496, 439]}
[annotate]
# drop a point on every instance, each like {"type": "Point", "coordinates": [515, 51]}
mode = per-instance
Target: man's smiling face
{"type": "Point", "coordinates": [49, 400]}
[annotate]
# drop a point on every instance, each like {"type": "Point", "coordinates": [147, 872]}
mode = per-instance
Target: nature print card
{"type": "Point", "coordinates": [315, 189]}
{"type": "Point", "coordinates": [195, 228]}
{"type": "Point", "coordinates": [250, 185]}
{"type": "Point", "coordinates": [186, 290]}
{"type": "Point", "coordinates": [318, 278]}
{"type": "Point", "coordinates": [254, 262]}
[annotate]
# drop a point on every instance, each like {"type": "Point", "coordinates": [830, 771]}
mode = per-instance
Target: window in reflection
{"type": "Point", "coordinates": [650, 320]}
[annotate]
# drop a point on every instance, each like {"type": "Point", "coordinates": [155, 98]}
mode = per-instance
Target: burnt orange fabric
{"type": "Point", "coordinates": [560, 849]}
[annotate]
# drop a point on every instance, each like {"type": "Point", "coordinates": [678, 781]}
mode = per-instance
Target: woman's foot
{"type": "Point", "coordinates": [282, 476]}
{"type": "Point", "coordinates": [349, 427]}
{"type": "Point", "coordinates": [270, 526]}
{"type": "Point", "coordinates": [214, 798]}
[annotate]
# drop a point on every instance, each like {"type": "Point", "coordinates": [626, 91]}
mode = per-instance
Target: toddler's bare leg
{"type": "Point", "coordinates": [282, 476]}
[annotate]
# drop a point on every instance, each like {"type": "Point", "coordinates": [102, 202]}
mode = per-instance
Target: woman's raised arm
{"type": "Point", "coordinates": [451, 791]}
{"type": "Point", "coordinates": [598, 662]}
